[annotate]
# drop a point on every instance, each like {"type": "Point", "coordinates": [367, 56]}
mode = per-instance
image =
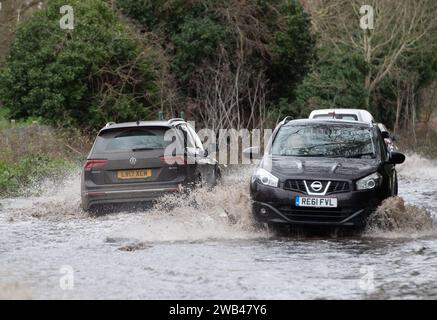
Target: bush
{"type": "Point", "coordinates": [15, 176]}
{"type": "Point", "coordinates": [198, 41]}
{"type": "Point", "coordinates": [165, 15]}
{"type": "Point", "coordinates": [84, 77]}
{"type": "Point", "coordinates": [292, 49]}
{"type": "Point", "coordinates": [335, 82]}
{"type": "Point", "coordinates": [232, 40]}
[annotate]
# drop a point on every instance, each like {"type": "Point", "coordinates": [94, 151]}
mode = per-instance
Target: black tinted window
{"type": "Point", "coordinates": [131, 139]}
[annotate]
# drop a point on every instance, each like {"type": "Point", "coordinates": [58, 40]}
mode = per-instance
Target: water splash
{"type": "Point", "coordinates": [395, 218]}
{"type": "Point", "coordinates": [52, 199]}
{"type": "Point", "coordinates": [15, 291]}
{"type": "Point", "coordinates": [223, 212]}
{"type": "Point", "coordinates": [417, 167]}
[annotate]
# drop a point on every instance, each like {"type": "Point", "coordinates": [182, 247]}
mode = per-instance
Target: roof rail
{"type": "Point", "coordinates": [109, 124]}
{"type": "Point", "coordinates": [286, 119]}
{"type": "Point", "coordinates": [175, 119]}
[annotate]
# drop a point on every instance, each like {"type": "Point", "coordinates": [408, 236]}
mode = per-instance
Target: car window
{"type": "Point", "coordinates": [351, 117]}
{"type": "Point", "coordinates": [324, 141]}
{"type": "Point", "coordinates": [129, 139]}
{"type": "Point", "coordinates": [323, 116]}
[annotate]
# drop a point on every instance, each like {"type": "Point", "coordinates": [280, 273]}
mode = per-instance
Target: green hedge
{"type": "Point", "coordinates": [15, 176]}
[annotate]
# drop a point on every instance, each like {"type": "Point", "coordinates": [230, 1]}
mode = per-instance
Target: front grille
{"type": "Point", "coordinates": [315, 215]}
{"type": "Point", "coordinates": [299, 186]}
{"type": "Point", "coordinates": [295, 185]}
{"type": "Point", "coordinates": [338, 186]}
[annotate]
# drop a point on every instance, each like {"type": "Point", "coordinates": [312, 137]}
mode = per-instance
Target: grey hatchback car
{"type": "Point", "coordinates": [141, 161]}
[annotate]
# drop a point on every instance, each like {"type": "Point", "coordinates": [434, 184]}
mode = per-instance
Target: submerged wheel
{"type": "Point", "coordinates": [217, 177]}
{"type": "Point", "coordinates": [395, 186]}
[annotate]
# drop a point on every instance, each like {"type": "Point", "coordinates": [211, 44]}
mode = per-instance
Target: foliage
{"type": "Point", "coordinates": [82, 77]}
{"type": "Point", "coordinates": [14, 176]}
{"type": "Point", "coordinates": [167, 15]}
{"type": "Point", "coordinates": [335, 82]}
{"type": "Point", "coordinates": [198, 40]}
{"type": "Point", "coordinates": [230, 42]}
{"type": "Point", "coordinates": [292, 49]}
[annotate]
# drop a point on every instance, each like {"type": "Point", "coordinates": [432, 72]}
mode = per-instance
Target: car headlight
{"type": "Point", "coordinates": [265, 177]}
{"type": "Point", "coordinates": [370, 182]}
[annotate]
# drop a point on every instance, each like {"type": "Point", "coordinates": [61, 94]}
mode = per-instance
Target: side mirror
{"type": "Point", "coordinates": [385, 134]}
{"type": "Point", "coordinates": [252, 153]}
{"type": "Point", "coordinates": [396, 157]}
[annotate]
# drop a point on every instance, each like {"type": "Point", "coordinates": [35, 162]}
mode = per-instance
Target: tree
{"type": "Point", "coordinates": [398, 52]}
{"type": "Point", "coordinates": [336, 81]}
{"type": "Point", "coordinates": [292, 49]}
{"type": "Point", "coordinates": [11, 14]}
{"type": "Point", "coordinates": [400, 28]}
{"type": "Point", "coordinates": [238, 58]}
{"type": "Point", "coordinates": [84, 77]}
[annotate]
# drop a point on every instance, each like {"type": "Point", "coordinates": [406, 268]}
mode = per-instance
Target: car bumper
{"type": "Point", "coordinates": [277, 206]}
{"type": "Point", "coordinates": [109, 196]}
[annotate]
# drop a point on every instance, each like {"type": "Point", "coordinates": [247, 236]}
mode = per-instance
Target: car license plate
{"type": "Point", "coordinates": [316, 202]}
{"type": "Point", "coordinates": [134, 174]}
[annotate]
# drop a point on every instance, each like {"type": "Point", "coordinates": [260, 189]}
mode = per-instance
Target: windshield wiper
{"type": "Point", "coordinates": [324, 144]}
{"type": "Point", "coordinates": [362, 155]}
{"type": "Point", "coordinates": [303, 155]}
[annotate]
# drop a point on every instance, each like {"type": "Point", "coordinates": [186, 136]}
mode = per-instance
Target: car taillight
{"type": "Point", "coordinates": [171, 160]}
{"type": "Point", "coordinates": [94, 164]}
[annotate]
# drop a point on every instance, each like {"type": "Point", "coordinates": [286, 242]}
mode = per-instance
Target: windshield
{"type": "Point", "coordinates": [131, 140]}
{"type": "Point", "coordinates": [324, 141]}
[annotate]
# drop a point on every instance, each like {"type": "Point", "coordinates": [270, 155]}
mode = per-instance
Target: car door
{"type": "Point", "coordinates": [388, 168]}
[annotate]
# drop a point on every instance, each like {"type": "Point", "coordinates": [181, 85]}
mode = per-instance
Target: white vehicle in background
{"type": "Point", "coordinates": [343, 114]}
{"type": "Point", "coordinates": [354, 115]}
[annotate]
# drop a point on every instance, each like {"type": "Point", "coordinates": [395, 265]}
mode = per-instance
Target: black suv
{"type": "Point", "coordinates": [141, 161]}
{"type": "Point", "coordinates": [323, 172]}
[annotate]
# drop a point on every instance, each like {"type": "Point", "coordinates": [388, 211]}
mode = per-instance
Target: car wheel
{"type": "Point", "coordinates": [395, 186]}
{"type": "Point", "coordinates": [217, 176]}
{"type": "Point", "coordinates": [198, 183]}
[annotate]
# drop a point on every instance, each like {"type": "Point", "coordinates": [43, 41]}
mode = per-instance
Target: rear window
{"type": "Point", "coordinates": [132, 139]}
{"type": "Point", "coordinates": [352, 117]}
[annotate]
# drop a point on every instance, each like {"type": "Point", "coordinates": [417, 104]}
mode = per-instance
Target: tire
{"type": "Point", "coordinates": [395, 186]}
{"type": "Point", "coordinates": [217, 176]}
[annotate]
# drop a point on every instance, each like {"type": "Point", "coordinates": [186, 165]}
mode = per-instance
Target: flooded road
{"type": "Point", "coordinates": [205, 247]}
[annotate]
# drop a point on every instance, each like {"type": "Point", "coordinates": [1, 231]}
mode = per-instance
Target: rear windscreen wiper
{"type": "Point", "coordinates": [143, 149]}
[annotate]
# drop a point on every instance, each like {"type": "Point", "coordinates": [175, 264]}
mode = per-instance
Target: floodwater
{"type": "Point", "coordinates": [204, 247]}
